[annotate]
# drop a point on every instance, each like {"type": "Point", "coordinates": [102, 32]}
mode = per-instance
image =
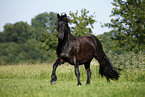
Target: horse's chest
{"type": "Point", "coordinates": [67, 51]}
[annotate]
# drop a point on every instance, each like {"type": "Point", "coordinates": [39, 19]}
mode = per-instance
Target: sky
{"type": "Point", "coordinates": [12, 11]}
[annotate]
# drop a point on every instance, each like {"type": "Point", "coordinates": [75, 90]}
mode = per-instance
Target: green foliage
{"type": "Point", "coordinates": [19, 43]}
{"type": "Point", "coordinates": [45, 23]}
{"type": "Point", "coordinates": [49, 41]}
{"type": "Point", "coordinates": [106, 41]}
{"type": "Point", "coordinates": [13, 53]}
{"type": "Point", "coordinates": [8, 52]}
{"type": "Point", "coordinates": [19, 32]}
{"type": "Point", "coordinates": [82, 24]}
{"type": "Point", "coordinates": [44, 20]}
{"type": "Point", "coordinates": [128, 60]}
{"type": "Point", "coordinates": [32, 47]}
{"type": "Point", "coordinates": [128, 25]}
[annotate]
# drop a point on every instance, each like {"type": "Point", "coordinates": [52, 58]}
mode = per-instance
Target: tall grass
{"type": "Point", "coordinates": [34, 80]}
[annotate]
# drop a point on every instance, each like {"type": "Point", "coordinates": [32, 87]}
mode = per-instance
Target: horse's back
{"type": "Point", "coordinates": [91, 39]}
{"type": "Point", "coordinates": [87, 48]}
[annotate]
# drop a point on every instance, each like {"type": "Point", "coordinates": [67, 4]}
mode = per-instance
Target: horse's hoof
{"type": "Point", "coordinates": [53, 82]}
{"type": "Point", "coordinates": [79, 84]}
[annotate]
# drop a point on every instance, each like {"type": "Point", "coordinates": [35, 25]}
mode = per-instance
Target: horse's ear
{"type": "Point", "coordinates": [65, 15]}
{"type": "Point", "coordinates": [58, 16]}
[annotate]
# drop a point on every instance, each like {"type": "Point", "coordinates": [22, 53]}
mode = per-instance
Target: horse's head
{"type": "Point", "coordinates": [62, 25]}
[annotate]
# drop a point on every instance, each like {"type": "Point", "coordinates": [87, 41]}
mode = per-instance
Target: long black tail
{"type": "Point", "coordinates": [107, 70]}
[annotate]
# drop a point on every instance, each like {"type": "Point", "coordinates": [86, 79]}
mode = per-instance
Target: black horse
{"type": "Point", "coordinates": [80, 50]}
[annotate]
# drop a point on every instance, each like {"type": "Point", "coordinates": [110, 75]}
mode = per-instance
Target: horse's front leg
{"type": "Point", "coordinates": [53, 75]}
{"type": "Point", "coordinates": [77, 73]}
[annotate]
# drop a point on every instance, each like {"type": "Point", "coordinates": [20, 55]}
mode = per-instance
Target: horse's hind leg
{"type": "Point", "coordinates": [87, 67]}
{"type": "Point", "coordinates": [77, 73]}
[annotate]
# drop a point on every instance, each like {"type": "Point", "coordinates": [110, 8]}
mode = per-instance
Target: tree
{"type": "Point", "coordinates": [106, 41]}
{"type": "Point", "coordinates": [19, 32]}
{"type": "Point", "coordinates": [2, 37]}
{"type": "Point", "coordinates": [9, 52]}
{"type": "Point", "coordinates": [82, 24]}
{"type": "Point", "coordinates": [128, 25]}
{"type": "Point", "coordinates": [19, 43]}
{"type": "Point", "coordinates": [44, 20]}
{"type": "Point", "coordinates": [49, 40]}
{"type": "Point", "coordinates": [32, 48]}
{"type": "Point", "coordinates": [44, 24]}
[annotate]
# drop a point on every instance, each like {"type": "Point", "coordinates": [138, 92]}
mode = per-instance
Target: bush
{"type": "Point", "coordinates": [128, 60]}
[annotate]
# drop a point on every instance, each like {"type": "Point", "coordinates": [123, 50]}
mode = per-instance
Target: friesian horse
{"type": "Point", "coordinates": [78, 51]}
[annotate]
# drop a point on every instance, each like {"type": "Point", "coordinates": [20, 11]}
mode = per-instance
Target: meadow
{"type": "Point", "coordinates": [27, 80]}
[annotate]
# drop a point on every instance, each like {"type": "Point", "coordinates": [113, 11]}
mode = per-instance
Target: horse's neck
{"type": "Point", "coordinates": [67, 38]}
{"type": "Point", "coordinates": [62, 43]}
{"type": "Point", "coordinates": [70, 37]}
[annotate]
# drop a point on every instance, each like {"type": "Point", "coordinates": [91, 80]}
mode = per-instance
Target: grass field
{"type": "Point", "coordinates": [34, 81]}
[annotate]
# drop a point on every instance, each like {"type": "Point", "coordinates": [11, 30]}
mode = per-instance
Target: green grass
{"type": "Point", "coordinates": [34, 81]}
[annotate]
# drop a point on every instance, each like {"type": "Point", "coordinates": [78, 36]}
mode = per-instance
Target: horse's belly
{"type": "Point", "coordinates": [85, 57]}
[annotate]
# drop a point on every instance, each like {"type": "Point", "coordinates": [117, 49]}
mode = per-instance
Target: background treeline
{"type": "Point", "coordinates": [24, 43]}
{"type": "Point", "coordinates": [21, 42]}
